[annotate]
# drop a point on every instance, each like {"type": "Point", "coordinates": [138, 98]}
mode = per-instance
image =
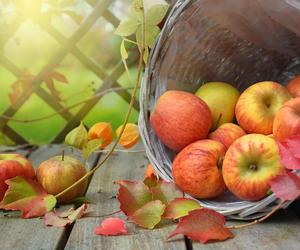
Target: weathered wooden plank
{"type": "Point", "coordinates": [279, 232]}
{"type": "Point", "coordinates": [31, 233]}
{"type": "Point", "coordinates": [102, 191]}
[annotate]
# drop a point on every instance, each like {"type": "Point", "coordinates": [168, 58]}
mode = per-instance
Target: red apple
{"type": "Point", "coordinates": [12, 165]}
{"type": "Point", "coordinates": [249, 164]}
{"type": "Point", "coordinates": [180, 118]}
{"type": "Point", "coordinates": [294, 86]}
{"type": "Point", "coordinates": [287, 120]}
{"type": "Point", "coordinates": [258, 105]}
{"type": "Point", "coordinates": [58, 173]}
{"type": "Point", "coordinates": [197, 169]}
{"type": "Point", "coordinates": [227, 133]}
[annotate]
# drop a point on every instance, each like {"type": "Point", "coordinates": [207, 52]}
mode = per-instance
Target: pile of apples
{"type": "Point", "coordinates": [227, 140]}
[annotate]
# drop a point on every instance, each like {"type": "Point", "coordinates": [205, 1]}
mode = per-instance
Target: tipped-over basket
{"type": "Point", "coordinates": [235, 41]}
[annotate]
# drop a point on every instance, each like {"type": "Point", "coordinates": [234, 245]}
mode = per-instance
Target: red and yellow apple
{"type": "Point", "coordinates": [197, 169]}
{"type": "Point", "coordinates": [180, 118]}
{"type": "Point", "coordinates": [287, 120]}
{"type": "Point", "coordinates": [294, 86]}
{"type": "Point", "coordinates": [221, 98]}
{"type": "Point", "coordinates": [249, 164]}
{"type": "Point", "coordinates": [58, 173]}
{"type": "Point", "coordinates": [258, 105]}
{"type": "Point", "coordinates": [12, 165]}
{"type": "Point", "coordinates": [227, 133]}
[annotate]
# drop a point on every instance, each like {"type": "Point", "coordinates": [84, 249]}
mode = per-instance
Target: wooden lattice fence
{"type": "Point", "coordinates": [67, 46]}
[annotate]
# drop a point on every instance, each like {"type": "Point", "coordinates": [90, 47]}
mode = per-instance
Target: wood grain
{"type": "Point", "coordinates": [280, 232]}
{"type": "Point", "coordinates": [31, 233]}
{"type": "Point", "coordinates": [102, 191]}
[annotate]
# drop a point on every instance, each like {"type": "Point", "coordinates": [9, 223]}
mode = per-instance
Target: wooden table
{"type": "Point", "coordinates": [281, 232]}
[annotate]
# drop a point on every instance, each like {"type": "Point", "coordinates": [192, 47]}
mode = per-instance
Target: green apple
{"type": "Point", "coordinates": [221, 98]}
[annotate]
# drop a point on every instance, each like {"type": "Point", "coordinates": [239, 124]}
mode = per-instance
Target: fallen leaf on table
{"type": "Point", "coordinates": [287, 157]}
{"type": "Point", "coordinates": [51, 219]}
{"type": "Point", "coordinates": [165, 191]}
{"type": "Point", "coordinates": [180, 207]}
{"type": "Point", "coordinates": [61, 219]}
{"type": "Point", "coordinates": [149, 215]}
{"type": "Point", "coordinates": [111, 226]}
{"type": "Point", "coordinates": [203, 225]}
{"type": "Point", "coordinates": [132, 195]}
{"type": "Point", "coordinates": [286, 186]}
{"type": "Point", "coordinates": [27, 196]}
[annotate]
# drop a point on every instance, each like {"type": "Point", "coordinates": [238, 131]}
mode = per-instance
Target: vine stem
{"type": "Point", "coordinates": [268, 215]}
{"type": "Point", "coordinates": [9, 118]}
{"type": "Point", "coordinates": [107, 156]}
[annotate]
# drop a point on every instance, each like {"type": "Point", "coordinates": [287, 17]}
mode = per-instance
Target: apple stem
{"type": "Point", "coordinates": [253, 167]}
{"type": "Point", "coordinates": [63, 155]}
{"type": "Point", "coordinates": [275, 209]}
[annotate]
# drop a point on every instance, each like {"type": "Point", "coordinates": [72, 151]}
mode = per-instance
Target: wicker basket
{"type": "Point", "coordinates": [216, 40]}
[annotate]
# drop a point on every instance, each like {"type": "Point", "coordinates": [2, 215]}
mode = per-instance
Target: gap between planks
{"type": "Point", "coordinates": [31, 233]}
{"type": "Point", "coordinates": [102, 191]}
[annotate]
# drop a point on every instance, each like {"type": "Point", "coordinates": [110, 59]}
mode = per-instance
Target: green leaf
{"type": "Point", "coordinates": [149, 215]}
{"type": "Point", "coordinates": [180, 207]}
{"type": "Point", "coordinates": [156, 14]}
{"type": "Point", "coordinates": [90, 147]}
{"type": "Point", "coordinates": [77, 137]}
{"type": "Point", "coordinates": [146, 55]}
{"type": "Point", "coordinates": [137, 6]}
{"type": "Point", "coordinates": [124, 53]}
{"type": "Point", "coordinates": [79, 201]}
{"type": "Point", "coordinates": [27, 196]}
{"type": "Point", "coordinates": [151, 33]}
{"type": "Point", "coordinates": [127, 27]}
{"type": "Point", "coordinates": [165, 192]}
{"type": "Point", "coordinates": [132, 195]}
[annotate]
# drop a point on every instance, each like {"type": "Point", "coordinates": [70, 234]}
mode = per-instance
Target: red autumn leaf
{"type": "Point", "coordinates": [203, 225]}
{"type": "Point", "coordinates": [286, 186]}
{"type": "Point", "coordinates": [180, 207]}
{"type": "Point", "coordinates": [111, 226]}
{"type": "Point", "coordinates": [59, 77]}
{"type": "Point", "coordinates": [288, 159]}
{"type": "Point", "coordinates": [27, 196]}
{"type": "Point", "coordinates": [132, 195]}
{"type": "Point", "coordinates": [61, 219]}
{"type": "Point", "coordinates": [149, 215]}
{"type": "Point", "coordinates": [294, 146]}
{"type": "Point", "coordinates": [165, 192]}
{"type": "Point", "coordinates": [50, 85]}
{"type": "Point", "coordinates": [20, 86]}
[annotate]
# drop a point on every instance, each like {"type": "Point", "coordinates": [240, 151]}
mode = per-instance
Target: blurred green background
{"type": "Point", "coordinates": [30, 48]}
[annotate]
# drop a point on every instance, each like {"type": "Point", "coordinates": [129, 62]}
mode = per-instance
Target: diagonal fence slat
{"type": "Point", "coordinates": [84, 27]}
{"type": "Point", "coordinates": [89, 63]}
{"type": "Point", "coordinates": [39, 91]}
{"type": "Point", "coordinates": [68, 45]}
{"type": "Point", "coordinates": [109, 82]}
{"type": "Point", "coordinates": [108, 15]}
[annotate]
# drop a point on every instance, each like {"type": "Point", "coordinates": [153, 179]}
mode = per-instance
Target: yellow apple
{"type": "Point", "coordinates": [257, 106]}
{"type": "Point", "coordinates": [221, 99]}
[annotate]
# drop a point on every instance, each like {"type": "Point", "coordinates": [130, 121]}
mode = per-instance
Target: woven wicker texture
{"type": "Point", "coordinates": [239, 42]}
